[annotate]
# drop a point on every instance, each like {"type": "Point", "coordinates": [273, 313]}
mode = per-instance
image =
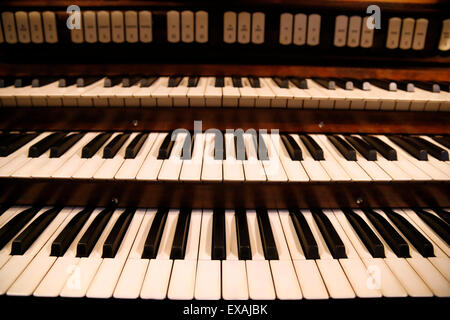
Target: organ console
{"type": "Point", "coordinates": [225, 153]}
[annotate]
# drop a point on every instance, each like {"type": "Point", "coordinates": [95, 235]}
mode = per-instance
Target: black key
{"type": "Point", "coordinates": [361, 84]}
{"type": "Point", "coordinates": [383, 148]}
{"type": "Point", "coordinates": [300, 83]}
{"type": "Point", "coordinates": [174, 81]}
{"type": "Point", "coordinates": [292, 147]}
{"type": "Point", "coordinates": [243, 238]}
{"type": "Point", "coordinates": [220, 82]}
{"type": "Point", "coordinates": [3, 208]}
{"type": "Point", "coordinates": [436, 224]}
{"type": "Point", "coordinates": [111, 82]}
{"type": "Point", "coordinates": [389, 234]}
{"type": "Point", "coordinates": [22, 82]}
{"type": "Point", "coordinates": [254, 82]}
{"type": "Point", "coordinates": [260, 146]}
{"type": "Point", "coordinates": [237, 82]}
{"type": "Point", "coordinates": [411, 147]}
{"type": "Point", "coordinates": [281, 82]}
{"type": "Point", "coordinates": [428, 86]}
{"type": "Point", "coordinates": [5, 137]}
{"type": "Point", "coordinates": [181, 234]}
{"type": "Point", "coordinates": [239, 145]}
{"type": "Point", "coordinates": [444, 215]}
{"type": "Point", "coordinates": [405, 86]}
{"type": "Point", "coordinates": [16, 143]}
{"type": "Point", "coordinates": [218, 247]}
{"type": "Point", "coordinates": [113, 147]}
{"type": "Point", "coordinates": [344, 148]}
{"type": "Point", "coordinates": [364, 148]}
{"type": "Point", "coordinates": [188, 147]}
{"type": "Point", "coordinates": [43, 145]}
{"type": "Point", "coordinates": [84, 82]}
{"type": "Point", "coordinates": [92, 234]}
{"type": "Point", "coordinates": [128, 82]}
{"type": "Point", "coordinates": [94, 145]}
{"type": "Point", "coordinates": [193, 82]}
{"type": "Point", "coordinates": [368, 237]}
{"type": "Point", "coordinates": [445, 86]}
{"type": "Point", "coordinates": [334, 242]}
{"type": "Point", "coordinates": [444, 140]}
{"type": "Point", "coordinates": [40, 82]}
{"type": "Point", "coordinates": [412, 234]}
{"type": "Point", "coordinates": [135, 145]}
{"type": "Point", "coordinates": [6, 82]}
{"type": "Point", "coordinates": [25, 239]}
{"type": "Point", "coordinates": [65, 144]}
{"type": "Point", "coordinates": [66, 82]}
{"type": "Point", "coordinates": [344, 84]}
{"type": "Point", "coordinates": [436, 151]}
{"type": "Point", "coordinates": [115, 237]}
{"type": "Point", "coordinates": [326, 83]}
{"type": "Point", "coordinates": [66, 237]}
{"type": "Point", "coordinates": [267, 240]}
{"type": "Point", "coordinates": [166, 146]}
{"type": "Point", "coordinates": [304, 234]}
{"type": "Point", "coordinates": [154, 235]}
{"type": "Point", "coordinates": [314, 149]}
{"type": "Point", "coordinates": [147, 82]}
{"type": "Point", "coordinates": [13, 226]}
{"type": "Point", "coordinates": [219, 147]}
{"type": "Point", "coordinates": [384, 84]}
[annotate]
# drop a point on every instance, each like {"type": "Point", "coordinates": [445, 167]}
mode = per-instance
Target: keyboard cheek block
{"type": "Point", "coordinates": [80, 192]}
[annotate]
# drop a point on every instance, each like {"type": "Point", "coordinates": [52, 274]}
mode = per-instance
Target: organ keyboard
{"type": "Point", "coordinates": [201, 153]}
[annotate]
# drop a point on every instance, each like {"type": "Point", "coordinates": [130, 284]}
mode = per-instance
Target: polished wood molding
{"type": "Point", "coordinates": [163, 119]}
{"type": "Point", "coordinates": [73, 192]}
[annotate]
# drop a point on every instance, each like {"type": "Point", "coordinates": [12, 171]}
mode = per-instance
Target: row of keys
{"type": "Point", "coordinates": [116, 26]}
{"type": "Point", "coordinates": [229, 254]}
{"type": "Point", "coordinates": [233, 156]}
{"type": "Point", "coordinates": [193, 91]}
{"type": "Point", "coordinates": [407, 33]}
{"type": "Point", "coordinates": [31, 27]}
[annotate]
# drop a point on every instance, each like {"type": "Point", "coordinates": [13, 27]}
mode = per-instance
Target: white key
{"type": "Point", "coordinates": [282, 95]}
{"type": "Point", "coordinates": [20, 153]}
{"type": "Point", "coordinates": [230, 94]}
{"type": "Point", "coordinates": [244, 27]}
{"type": "Point", "coordinates": [286, 22]}
{"type": "Point", "coordinates": [182, 280]}
{"type": "Point", "coordinates": [16, 264]}
{"type": "Point", "coordinates": [258, 19]}
{"type": "Point", "coordinates": [247, 93]}
{"type": "Point", "coordinates": [201, 26]}
{"type": "Point", "coordinates": [300, 96]}
{"type": "Point", "coordinates": [110, 167]}
{"type": "Point", "coordinates": [193, 239]}
{"type": "Point", "coordinates": [232, 168]}
{"type": "Point", "coordinates": [196, 95]}
{"type": "Point", "coordinates": [104, 26]}
{"type": "Point", "coordinates": [313, 38]}
{"type": "Point", "coordinates": [165, 246]}
{"type": "Point", "coordinates": [339, 96]}
{"type": "Point", "coordinates": [320, 97]}
{"type": "Point", "coordinates": [273, 167]}
{"type": "Point", "coordinates": [229, 27]}
{"type": "Point", "coordinates": [131, 167]}
{"type": "Point", "coordinates": [265, 95]}
{"type": "Point", "coordinates": [192, 168]}
{"type": "Point", "coordinates": [173, 26]}
{"type": "Point", "coordinates": [260, 285]}
{"type": "Point", "coordinates": [49, 24]}
{"type": "Point", "coordinates": [179, 94]}
{"type": "Point", "coordinates": [144, 94]}
{"type": "Point", "coordinates": [208, 280]}
{"type": "Point", "coordinates": [37, 33]}
{"type": "Point", "coordinates": [253, 167]}
{"type": "Point", "coordinates": [161, 93]}
{"type": "Point", "coordinates": [285, 280]}
{"type": "Point", "coordinates": [294, 169]}
{"type": "Point", "coordinates": [23, 27]}
{"type": "Point", "coordinates": [157, 279]}
{"type": "Point", "coordinates": [131, 279]}
{"type": "Point", "coordinates": [171, 167]}
{"type": "Point", "coordinates": [108, 274]}
{"type": "Point", "coordinates": [151, 166]}
{"type": "Point", "coordinates": [234, 280]}
{"type": "Point", "coordinates": [230, 236]}
{"type": "Point", "coordinates": [145, 26]}
{"type": "Point", "coordinates": [212, 169]}
{"type": "Point", "coordinates": [204, 249]}
{"type": "Point", "coordinates": [355, 172]}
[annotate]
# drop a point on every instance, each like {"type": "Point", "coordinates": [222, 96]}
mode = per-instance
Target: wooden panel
{"type": "Point", "coordinates": [226, 195]}
{"type": "Point", "coordinates": [292, 120]}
